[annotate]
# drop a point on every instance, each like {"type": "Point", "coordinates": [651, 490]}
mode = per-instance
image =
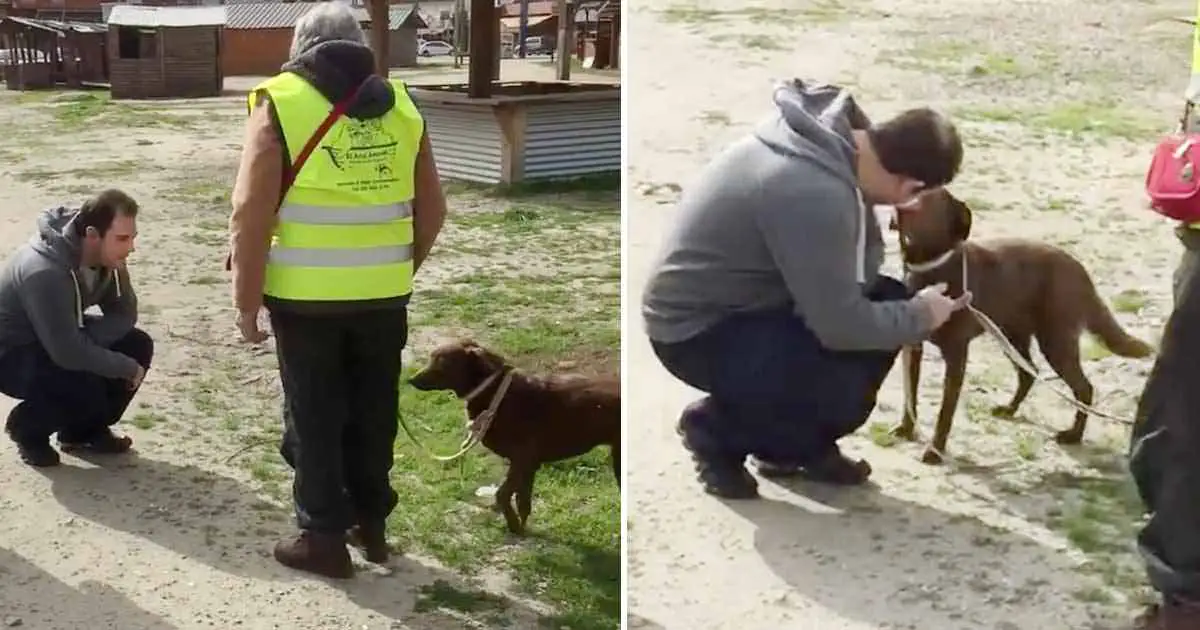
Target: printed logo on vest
{"type": "Point", "coordinates": [364, 150]}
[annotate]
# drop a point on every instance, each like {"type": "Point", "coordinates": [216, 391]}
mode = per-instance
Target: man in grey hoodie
{"type": "Point", "coordinates": [767, 295]}
{"type": "Point", "coordinates": [75, 373]}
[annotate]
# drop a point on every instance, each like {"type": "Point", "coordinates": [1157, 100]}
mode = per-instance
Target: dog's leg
{"type": "Point", "coordinates": [1062, 353]}
{"type": "Point", "coordinates": [525, 495]}
{"type": "Point", "coordinates": [1024, 380]}
{"type": "Point", "coordinates": [504, 497]}
{"type": "Point", "coordinates": [955, 357]}
{"type": "Point", "coordinates": [910, 357]}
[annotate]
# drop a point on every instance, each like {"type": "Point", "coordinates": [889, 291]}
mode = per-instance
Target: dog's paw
{"type": "Point", "coordinates": [904, 431]}
{"type": "Point", "coordinates": [1068, 437]}
{"type": "Point", "coordinates": [931, 456]}
{"type": "Point", "coordinates": [1003, 411]}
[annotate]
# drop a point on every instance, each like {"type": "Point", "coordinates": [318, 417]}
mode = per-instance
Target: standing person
{"type": "Point", "coordinates": [74, 373]}
{"type": "Point", "coordinates": [334, 270]}
{"type": "Point", "coordinates": [767, 295]}
{"type": "Point", "coordinates": [1163, 455]}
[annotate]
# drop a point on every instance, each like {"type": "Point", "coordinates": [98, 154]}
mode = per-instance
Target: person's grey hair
{"type": "Point", "coordinates": [328, 21]}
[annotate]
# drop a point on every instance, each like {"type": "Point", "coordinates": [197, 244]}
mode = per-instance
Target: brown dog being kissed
{"type": "Point", "coordinates": [1031, 290]}
{"type": "Point", "coordinates": [537, 419]}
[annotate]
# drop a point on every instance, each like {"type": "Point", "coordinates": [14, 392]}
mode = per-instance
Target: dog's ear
{"type": "Point", "coordinates": [960, 219]}
{"type": "Point", "coordinates": [488, 359]}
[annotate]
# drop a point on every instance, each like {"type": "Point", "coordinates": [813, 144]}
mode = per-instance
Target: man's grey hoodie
{"type": "Point", "coordinates": [44, 294]}
{"type": "Point", "coordinates": [777, 221]}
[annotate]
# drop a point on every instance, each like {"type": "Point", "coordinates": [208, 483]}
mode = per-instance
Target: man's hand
{"type": "Point", "coordinates": [137, 379]}
{"type": "Point", "coordinates": [940, 307]}
{"type": "Point", "coordinates": [247, 323]}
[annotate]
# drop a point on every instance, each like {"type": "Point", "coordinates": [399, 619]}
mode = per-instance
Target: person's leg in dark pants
{"type": "Point", "coordinates": [372, 367]}
{"type": "Point", "coordinates": [311, 351]}
{"type": "Point", "coordinates": [79, 406]}
{"type": "Point", "coordinates": [93, 432]}
{"type": "Point", "coordinates": [1163, 461]}
{"type": "Point", "coordinates": [775, 393]}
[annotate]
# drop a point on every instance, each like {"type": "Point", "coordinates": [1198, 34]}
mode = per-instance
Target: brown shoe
{"type": "Point", "coordinates": [372, 539]}
{"type": "Point", "coordinates": [316, 552]}
{"type": "Point", "coordinates": [1169, 616]}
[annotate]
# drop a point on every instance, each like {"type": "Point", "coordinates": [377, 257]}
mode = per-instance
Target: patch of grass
{"type": "Point", "coordinates": [98, 172]}
{"type": "Point", "coordinates": [715, 117]}
{"type": "Point", "coordinates": [1099, 515]}
{"type": "Point", "coordinates": [88, 109]}
{"type": "Point", "coordinates": [600, 186]}
{"type": "Point", "coordinates": [1091, 349]}
{"type": "Point", "coordinates": [441, 596]}
{"type": "Point", "coordinates": [1083, 118]}
{"type": "Point", "coordinates": [1129, 301]}
{"type": "Point", "coordinates": [814, 11]}
{"type": "Point", "coordinates": [571, 557]}
{"type": "Point", "coordinates": [561, 315]}
{"type": "Point", "coordinates": [881, 434]}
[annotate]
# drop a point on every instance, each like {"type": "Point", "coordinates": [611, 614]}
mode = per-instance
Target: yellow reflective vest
{"type": "Point", "coordinates": [345, 228]}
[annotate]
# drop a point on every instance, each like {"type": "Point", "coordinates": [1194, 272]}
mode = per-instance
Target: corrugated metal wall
{"type": "Point", "coordinates": [572, 139]}
{"type": "Point", "coordinates": [466, 141]}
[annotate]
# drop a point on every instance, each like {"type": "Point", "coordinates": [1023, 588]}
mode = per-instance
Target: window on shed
{"type": "Point", "coordinates": [137, 43]}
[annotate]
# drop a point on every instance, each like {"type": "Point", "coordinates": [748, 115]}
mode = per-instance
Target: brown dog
{"type": "Point", "coordinates": [1029, 289]}
{"type": "Point", "coordinates": [537, 420]}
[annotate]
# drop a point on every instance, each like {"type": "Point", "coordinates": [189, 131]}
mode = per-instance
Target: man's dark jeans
{"type": "Point", "coordinates": [341, 379]}
{"type": "Point", "coordinates": [774, 391]}
{"type": "Point", "coordinates": [77, 405]}
{"type": "Point", "coordinates": [1165, 444]}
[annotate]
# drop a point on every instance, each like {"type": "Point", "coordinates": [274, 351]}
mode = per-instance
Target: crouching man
{"type": "Point", "coordinates": [74, 374]}
{"type": "Point", "coordinates": [767, 295]}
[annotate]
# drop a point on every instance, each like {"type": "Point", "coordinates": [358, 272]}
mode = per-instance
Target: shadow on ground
{"type": "Point", "coordinates": [888, 562]}
{"type": "Point", "coordinates": [225, 524]}
{"type": "Point", "coordinates": [32, 598]}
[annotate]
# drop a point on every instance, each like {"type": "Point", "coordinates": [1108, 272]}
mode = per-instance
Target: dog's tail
{"type": "Point", "coordinates": [1100, 322]}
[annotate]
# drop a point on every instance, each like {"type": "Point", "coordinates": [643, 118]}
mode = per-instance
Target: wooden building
{"type": "Point", "coordinates": [403, 23]}
{"type": "Point", "coordinates": [258, 35]}
{"type": "Point", "coordinates": [165, 52]}
{"type": "Point", "coordinates": [40, 54]}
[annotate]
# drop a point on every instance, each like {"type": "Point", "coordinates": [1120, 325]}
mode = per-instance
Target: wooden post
{"type": "Point", "coordinates": [565, 30]}
{"type": "Point", "coordinates": [483, 49]}
{"type": "Point", "coordinates": [379, 36]}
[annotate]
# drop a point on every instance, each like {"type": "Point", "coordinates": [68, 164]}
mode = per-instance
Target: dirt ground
{"type": "Point", "coordinates": [177, 536]}
{"type": "Point", "coordinates": [1060, 104]}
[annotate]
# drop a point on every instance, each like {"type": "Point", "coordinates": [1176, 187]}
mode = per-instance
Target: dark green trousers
{"type": "Point", "coordinates": [1164, 451]}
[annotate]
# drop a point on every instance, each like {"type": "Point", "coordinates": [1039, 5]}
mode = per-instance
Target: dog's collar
{"type": "Point", "coordinates": [479, 389]}
{"type": "Point", "coordinates": [930, 265]}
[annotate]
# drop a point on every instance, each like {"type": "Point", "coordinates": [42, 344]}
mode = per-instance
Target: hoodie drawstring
{"type": "Point", "coordinates": [78, 300]}
{"type": "Point", "coordinates": [116, 278]}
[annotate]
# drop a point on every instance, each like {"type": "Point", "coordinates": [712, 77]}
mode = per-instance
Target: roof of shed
{"type": "Point", "coordinates": [134, 15]}
{"type": "Point", "coordinates": [58, 26]}
{"type": "Point", "coordinates": [398, 15]}
{"type": "Point", "coordinates": [255, 15]}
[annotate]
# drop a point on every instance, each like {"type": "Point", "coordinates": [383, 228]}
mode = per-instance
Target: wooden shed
{"type": "Point", "coordinates": [258, 35]}
{"type": "Point", "coordinates": [45, 53]}
{"type": "Point", "coordinates": [403, 23]}
{"type": "Point", "coordinates": [165, 52]}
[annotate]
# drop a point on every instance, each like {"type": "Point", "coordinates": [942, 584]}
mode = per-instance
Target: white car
{"type": "Point", "coordinates": [436, 49]}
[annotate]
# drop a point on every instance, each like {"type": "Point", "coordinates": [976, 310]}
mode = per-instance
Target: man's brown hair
{"type": "Point", "coordinates": [99, 211]}
{"type": "Point", "coordinates": [920, 144]}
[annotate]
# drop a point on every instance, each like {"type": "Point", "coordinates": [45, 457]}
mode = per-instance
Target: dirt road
{"type": "Point", "coordinates": [1060, 104]}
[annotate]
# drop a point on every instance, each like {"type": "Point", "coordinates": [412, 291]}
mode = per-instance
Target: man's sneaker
{"type": "Point", "coordinates": [38, 454]}
{"type": "Point", "coordinates": [722, 475]}
{"type": "Point", "coordinates": [104, 443]}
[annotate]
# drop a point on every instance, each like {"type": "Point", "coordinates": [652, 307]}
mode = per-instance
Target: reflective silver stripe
{"type": "Point", "coordinates": [333, 215]}
{"type": "Point", "coordinates": [341, 257]}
